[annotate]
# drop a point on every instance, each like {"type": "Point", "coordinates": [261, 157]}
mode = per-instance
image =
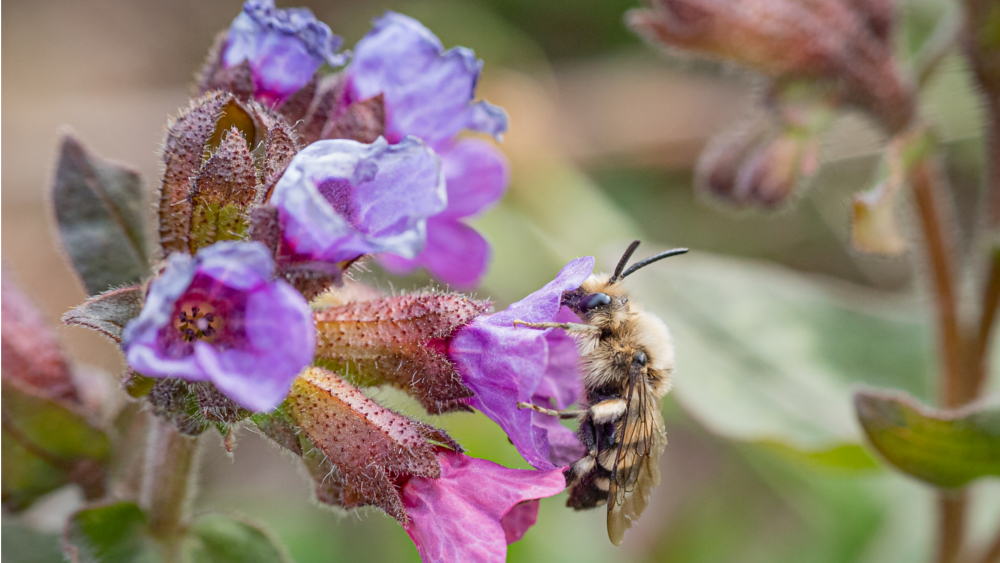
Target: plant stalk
{"type": "Point", "coordinates": [168, 483]}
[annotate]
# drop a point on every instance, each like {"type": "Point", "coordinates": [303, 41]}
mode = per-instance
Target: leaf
{"type": "Point", "coordinates": [99, 209]}
{"type": "Point", "coordinates": [768, 355]}
{"type": "Point", "coordinates": [30, 352]}
{"type": "Point", "coordinates": [47, 444]}
{"type": "Point", "coordinates": [25, 545]}
{"type": "Point", "coordinates": [109, 312]}
{"type": "Point", "coordinates": [216, 538]}
{"type": "Point", "coordinates": [114, 532]}
{"type": "Point", "coordinates": [943, 448]}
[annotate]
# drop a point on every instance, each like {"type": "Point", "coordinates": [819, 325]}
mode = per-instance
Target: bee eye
{"type": "Point", "coordinates": [593, 301]}
{"type": "Point", "coordinates": [640, 358]}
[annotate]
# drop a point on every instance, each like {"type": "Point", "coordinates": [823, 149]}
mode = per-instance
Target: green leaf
{"type": "Point", "coordinates": [943, 448]}
{"type": "Point", "coordinates": [217, 538]}
{"type": "Point", "coordinates": [46, 444]}
{"type": "Point", "coordinates": [25, 545]}
{"type": "Point", "coordinates": [768, 355]}
{"type": "Point", "coordinates": [99, 209]}
{"type": "Point", "coordinates": [109, 312]}
{"type": "Point", "coordinates": [115, 532]}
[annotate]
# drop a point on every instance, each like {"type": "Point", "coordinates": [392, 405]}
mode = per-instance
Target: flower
{"type": "Point", "coordinates": [428, 93]}
{"type": "Point", "coordinates": [283, 47]}
{"type": "Point", "coordinates": [475, 508]}
{"type": "Point", "coordinates": [340, 199]}
{"type": "Point", "coordinates": [503, 365]}
{"type": "Point", "coordinates": [219, 317]}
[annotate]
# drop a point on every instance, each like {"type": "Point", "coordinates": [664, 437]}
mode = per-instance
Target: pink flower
{"type": "Point", "coordinates": [474, 509]}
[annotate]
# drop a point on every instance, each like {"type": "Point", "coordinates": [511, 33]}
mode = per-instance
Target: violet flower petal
{"type": "Point", "coordinates": [455, 254]}
{"type": "Point", "coordinates": [265, 328]}
{"type": "Point", "coordinates": [340, 199]}
{"type": "Point", "coordinates": [477, 175]}
{"type": "Point", "coordinates": [284, 47]}
{"type": "Point", "coordinates": [519, 519]}
{"type": "Point", "coordinates": [428, 91]}
{"type": "Point", "coordinates": [503, 364]}
{"type": "Point", "coordinates": [460, 516]}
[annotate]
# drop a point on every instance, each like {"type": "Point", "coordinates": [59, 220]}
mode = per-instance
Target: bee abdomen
{"type": "Point", "coordinates": [591, 489]}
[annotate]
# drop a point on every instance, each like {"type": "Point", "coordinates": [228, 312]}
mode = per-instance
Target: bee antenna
{"type": "Point", "coordinates": [621, 263]}
{"type": "Point", "coordinates": [651, 259]}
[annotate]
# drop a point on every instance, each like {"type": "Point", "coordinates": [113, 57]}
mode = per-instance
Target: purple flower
{"type": "Point", "coordinates": [220, 317]}
{"type": "Point", "coordinates": [340, 199]}
{"type": "Point", "coordinates": [503, 364]}
{"type": "Point", "coordinates": [475, 508]}
{"type": "Point", "coordinates": [284, 47]}
{"type": "Point", "coordinates": [429, 94]}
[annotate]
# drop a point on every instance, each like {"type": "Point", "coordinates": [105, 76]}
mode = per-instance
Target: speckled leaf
{"type": "Point", "coordinates": [370, 446]}
{"type": "Point", "coordinates": [217, 538]}
{"type": "Point", "coordinates": [109, 312]}
{"type": "Point", "coordinates": [99, 209]}
{"type": "Point", "coordinates": [399, 341]}
{"type": "Point", "coordinates": [943, 448]}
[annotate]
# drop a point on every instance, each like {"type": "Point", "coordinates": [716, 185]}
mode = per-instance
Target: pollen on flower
{"type": "Point", "coordinates": [198, 322]}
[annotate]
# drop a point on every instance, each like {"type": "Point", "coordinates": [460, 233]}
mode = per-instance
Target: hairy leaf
{"type": "Point", "coordinates": [943, 448]}
{"type": "Point", "coordinates": [30, 353]}
{"type": "Point", "coordinates": [222, 194]}
{"type": "Point", "coordinates": [109, 312]}
{"type": "Point", "coordinates": [99, 209]}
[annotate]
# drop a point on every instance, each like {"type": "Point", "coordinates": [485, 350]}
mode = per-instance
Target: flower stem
{"type": "Point", "coordinates": [992, 554]}
{"type": "Point", "coordinates": [951, 515]}
{"type": "Point", "coordinates": [928, 189]}
{"type": "Point", "coordinates": [171, 459]}
{"type": "Point", "coordinates": [978, 357]}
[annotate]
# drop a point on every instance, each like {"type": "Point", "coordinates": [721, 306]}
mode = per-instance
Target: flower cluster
{"type": "Point", "coordinates": [293, 163]}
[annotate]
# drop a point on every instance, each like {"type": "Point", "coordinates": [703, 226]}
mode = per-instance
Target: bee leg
{"type": "Point", "coordinates": [608, 410]}
{"type": "Point", "coordinates": [565, 414]}
{"type": "Point", "coordinates": [568, 327]}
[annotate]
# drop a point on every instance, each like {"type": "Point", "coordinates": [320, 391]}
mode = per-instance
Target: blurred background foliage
{"type": "Point", "coordinates": [775, 317]}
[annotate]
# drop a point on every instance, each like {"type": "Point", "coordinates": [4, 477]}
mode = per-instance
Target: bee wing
{"type": "Point", "coordinates": [637, 469]}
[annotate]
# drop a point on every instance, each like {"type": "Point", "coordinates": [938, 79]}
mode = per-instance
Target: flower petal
{"type": "Point", "coordinates": [264, 333]}
{"type": "Point", "coordinates": [283, 47]}
{"type": "Point", "coordinates": [503, 364]}
{"type": "Point", "coordinates": [519, 519]}
{"type": "Point", "coordinates": [455, 254]}
{"type": "Point", "coordinates": [477, 175]}
{"type": "Point", "coordinates": [340, 199]}
{"type": "Point", "coordinates": [458, 517]}
{"type": "Point", "coordinates": [428, 91]}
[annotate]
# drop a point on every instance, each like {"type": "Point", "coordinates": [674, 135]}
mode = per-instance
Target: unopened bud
{"type": "Point", "coordinates": [826, 40]}
{"type": "Point", "coordinates": [214, 172]}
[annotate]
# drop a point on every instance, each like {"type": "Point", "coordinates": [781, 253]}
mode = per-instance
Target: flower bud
{"type": "Point", "coordinates": [400, 341]}
{"type": "Point", "coordinates": [788, 39]}
{"type": "Point", "coordinates": [212, 177]}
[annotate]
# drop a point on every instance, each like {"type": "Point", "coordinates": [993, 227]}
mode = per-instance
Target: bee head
{"type": "Point", "coordinates": [620, 271]}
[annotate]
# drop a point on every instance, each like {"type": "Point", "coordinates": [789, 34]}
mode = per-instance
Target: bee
{"type": "Point", "coordinates": [628, 359]}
